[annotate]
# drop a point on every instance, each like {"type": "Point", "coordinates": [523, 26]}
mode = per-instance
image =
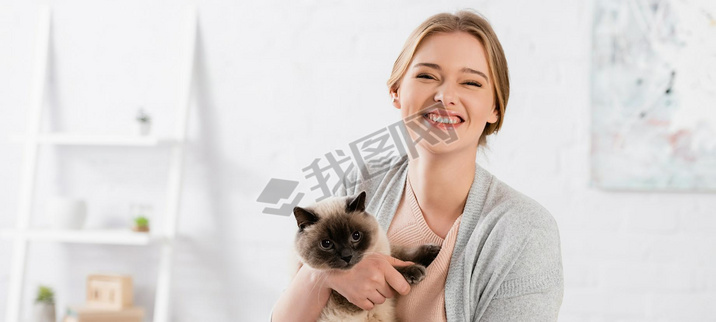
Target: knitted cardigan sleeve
{"type": "Point", "coordinates": [534, 287]}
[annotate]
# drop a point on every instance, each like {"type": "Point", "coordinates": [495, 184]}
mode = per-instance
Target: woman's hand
{"type": "Point", "coordinates": [370, 281]}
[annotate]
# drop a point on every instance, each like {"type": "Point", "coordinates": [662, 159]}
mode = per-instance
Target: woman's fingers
{"type": "Point", "coordinates": [376, 298]}
{"type": "Point", "coordinates": [365, 304]}
{"type": "Point", "coordinates": [386, 291]}
{"type": "Point", "coordinates": [396, 280]}
{"type": "Point", "coordinates": [378, 277]}
{"type": "Point", "coordinates": [396, 262]}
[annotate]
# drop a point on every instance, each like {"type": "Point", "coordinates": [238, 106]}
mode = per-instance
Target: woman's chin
{"type": "Point", "coordinates": [441, 148]}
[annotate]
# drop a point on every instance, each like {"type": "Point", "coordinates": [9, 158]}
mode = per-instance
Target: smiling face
{"type": "Point", "coordinates": [452, 69]}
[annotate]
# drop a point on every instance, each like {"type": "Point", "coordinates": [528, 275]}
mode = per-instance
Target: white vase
{"type": "Point", "coordinates": [67, 213]}
{"type": "Point", "coordinates": [144, 127]}
{"type": "Point", "coordinates": [43, 312]}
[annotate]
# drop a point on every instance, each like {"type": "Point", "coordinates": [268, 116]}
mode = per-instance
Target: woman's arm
{"type": "Point", "coordinates": [370, 282]}
{"type": "Point", "coordinates": [534, 287]}
{"type": "Point", "coordinates": [304, 298]}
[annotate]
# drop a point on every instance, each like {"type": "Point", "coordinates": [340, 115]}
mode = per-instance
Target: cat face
{"type": "Point", "coordinates": [335, 233]}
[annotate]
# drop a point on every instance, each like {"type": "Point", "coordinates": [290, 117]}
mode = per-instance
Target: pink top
{"type": "Point", "coordinates": [426, 300]}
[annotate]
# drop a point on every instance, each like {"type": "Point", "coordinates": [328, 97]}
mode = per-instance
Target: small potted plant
{"type": "Point", "coordinates": [141, 224]}
{"type": "Point", "coordinates": [44, 308]}
{"type": "Point", "coordinates": [144, 122]}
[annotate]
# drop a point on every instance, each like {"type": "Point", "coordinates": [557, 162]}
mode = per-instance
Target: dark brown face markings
{"type": "Point", "coordinates": [344, 252]}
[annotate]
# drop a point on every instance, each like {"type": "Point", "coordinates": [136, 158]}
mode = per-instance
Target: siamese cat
{"type": "Point", "coordinates": [336, 233]}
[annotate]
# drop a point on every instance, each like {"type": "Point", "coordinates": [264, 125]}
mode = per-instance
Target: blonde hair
{"type": "Point", "coordinates": [476, 25]}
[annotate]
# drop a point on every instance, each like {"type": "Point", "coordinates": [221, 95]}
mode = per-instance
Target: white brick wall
{"type": "Point", "coordinates": [282, 83]}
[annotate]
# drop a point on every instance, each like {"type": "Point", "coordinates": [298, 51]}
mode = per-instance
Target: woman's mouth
{"type": "Point", "coordinates": [443, 120]}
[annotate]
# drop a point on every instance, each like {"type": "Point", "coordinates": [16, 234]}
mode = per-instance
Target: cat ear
{"type": "Point", "coordinates": [357, 203]}
{"type": "Point", "coordinates": [304, 218]}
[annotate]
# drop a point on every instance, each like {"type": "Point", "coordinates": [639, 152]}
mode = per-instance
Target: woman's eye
{"type": "Point", "coordinates": [425, 76]}
{"type": "Point", "coordinates": [474, 84]}
{"type": "Point", "coordinates": [356, 236]}
{"type": "Point", "coordinates": [326, 244]}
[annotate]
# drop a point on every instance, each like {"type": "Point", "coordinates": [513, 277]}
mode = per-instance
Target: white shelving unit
{"type": "Point", "coordinates": [23, 234]}
{"type": "Point", "coordinates": [103, 140]}
{"type": "Point", "coordinates": [94, 236]}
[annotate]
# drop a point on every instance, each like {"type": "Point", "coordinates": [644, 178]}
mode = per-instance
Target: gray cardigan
{"type": "Point", "coordinates": [507, 261]}
{"type": "Point", "coordinates": [506, 264]}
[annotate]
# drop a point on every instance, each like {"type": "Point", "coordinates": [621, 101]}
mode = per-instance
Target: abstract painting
{"type": "Point", "coordinates": [653, 88]}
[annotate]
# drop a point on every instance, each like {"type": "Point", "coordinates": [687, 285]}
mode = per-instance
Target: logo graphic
{"type": "Point", "coordinates": [371, 154]}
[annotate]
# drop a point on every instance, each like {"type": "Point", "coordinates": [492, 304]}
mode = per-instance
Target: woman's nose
{"type": "Point", "coordinates": [446, 94]}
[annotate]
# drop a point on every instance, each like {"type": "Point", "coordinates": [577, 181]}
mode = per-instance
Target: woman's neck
{"type": "Point", "coordinates": [441, 183]}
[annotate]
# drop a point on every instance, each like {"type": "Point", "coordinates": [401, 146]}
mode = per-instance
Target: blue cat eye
{"type": "Point", "coordinates": [356, 236]}
{"type": "Point", "coordinates": [326, 244]}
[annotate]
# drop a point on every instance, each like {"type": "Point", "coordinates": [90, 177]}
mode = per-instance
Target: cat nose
{"type": "Point", "coordinates": [347, 258]}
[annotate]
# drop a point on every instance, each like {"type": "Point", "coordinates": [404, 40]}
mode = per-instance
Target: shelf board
{"type": "Point", "coordinates": [85, 236]}
{"type": "Point", "coordinates": [95, 139]}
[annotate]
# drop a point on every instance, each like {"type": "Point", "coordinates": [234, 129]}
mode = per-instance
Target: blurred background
{"type": "Point", "coordinates": [598, 130]}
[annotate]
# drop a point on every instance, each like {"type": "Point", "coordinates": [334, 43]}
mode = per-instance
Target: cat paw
{"type": "Point", "coordinates": [425, 254]}
{"type": "Point", "coordinates": [413, 273]}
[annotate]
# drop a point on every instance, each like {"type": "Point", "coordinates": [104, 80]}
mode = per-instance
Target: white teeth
{"type": "Point", "coordinates": [444, 120]}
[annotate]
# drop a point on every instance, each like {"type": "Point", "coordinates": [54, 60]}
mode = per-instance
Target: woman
{"type": "Point", "coordinates": [500, 258]}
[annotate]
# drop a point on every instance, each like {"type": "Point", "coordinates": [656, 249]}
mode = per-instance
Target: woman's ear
{"type": "Point", "coordinates": [395, 99]}
{"type": "Point", "coordinates": [495, 115]}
